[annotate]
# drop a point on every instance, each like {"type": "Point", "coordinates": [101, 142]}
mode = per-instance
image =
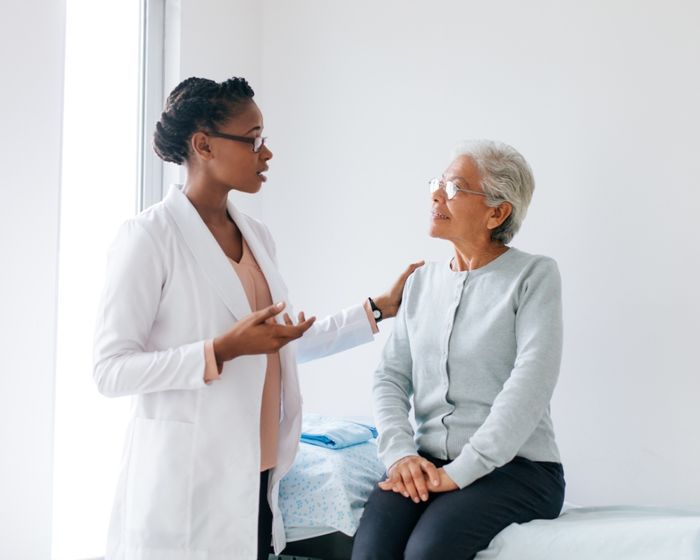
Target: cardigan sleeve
{"type": "Point", "coordinates": [525, 396]}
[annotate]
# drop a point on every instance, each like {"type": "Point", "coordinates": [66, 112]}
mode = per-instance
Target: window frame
{"type": "Point", "coordinates": [150, 168]}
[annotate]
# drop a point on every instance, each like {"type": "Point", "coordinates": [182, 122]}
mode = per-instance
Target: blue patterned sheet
{"type": "Point", "coordinates": [328, 488]}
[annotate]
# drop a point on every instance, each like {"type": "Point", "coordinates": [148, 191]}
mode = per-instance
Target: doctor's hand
{"type": "Point", "coordinates": [389, 301]}
{"type": "Point", "coordinates": [258, 333]}
{"type": "Point", "coordinates": [412, 476]}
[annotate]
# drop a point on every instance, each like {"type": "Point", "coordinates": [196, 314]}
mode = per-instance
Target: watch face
{"type": "Point", "coordinates": [377, 314]}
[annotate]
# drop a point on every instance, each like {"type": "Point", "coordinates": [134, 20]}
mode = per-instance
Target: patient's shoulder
{"type": "Point", "coordinates": [533, 264]}
{"type": "Point", "coordinates": [428, 274]}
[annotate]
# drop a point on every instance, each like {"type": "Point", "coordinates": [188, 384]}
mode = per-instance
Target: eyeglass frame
{"type": "Point", "coordinates": [257, 142]}
{"type": "Point", "coordinates": [445, 185]}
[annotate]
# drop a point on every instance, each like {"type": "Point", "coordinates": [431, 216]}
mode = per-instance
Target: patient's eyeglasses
{"type": "Point", "coordinates": [257, 141]}
{"type": "Point", "coordinates": [451, 188]}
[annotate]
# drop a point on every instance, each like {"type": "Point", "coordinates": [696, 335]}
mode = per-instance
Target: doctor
{"type": "Point", "coordinates": [191, 325]}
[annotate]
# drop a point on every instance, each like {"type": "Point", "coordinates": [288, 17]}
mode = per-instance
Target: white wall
{"type": "Point", "coordinates": [362, 103]}
{"type": "Point", "coordinates": [31, 63]}
{"type": "Point", "coordinates": [214, 39]}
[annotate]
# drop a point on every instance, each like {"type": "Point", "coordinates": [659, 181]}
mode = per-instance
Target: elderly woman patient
{"type": "Point", "coordinates": [477, 344]}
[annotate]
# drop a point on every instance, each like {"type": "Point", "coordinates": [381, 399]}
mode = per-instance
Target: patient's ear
{"type": "Point", "coordinates": [499, 214]}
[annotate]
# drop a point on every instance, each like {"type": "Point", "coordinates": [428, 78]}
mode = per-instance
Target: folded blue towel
{"type": "Point", "coordinates": [334, 433]}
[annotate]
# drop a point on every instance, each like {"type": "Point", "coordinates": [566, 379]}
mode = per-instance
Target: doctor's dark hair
{"type": "Point", "coordinates": [197, 104]}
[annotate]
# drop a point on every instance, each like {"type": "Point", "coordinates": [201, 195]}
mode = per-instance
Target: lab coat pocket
{"type": "Point", "coordinates": [158, 492]}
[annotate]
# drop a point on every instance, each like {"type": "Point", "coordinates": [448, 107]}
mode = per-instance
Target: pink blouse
{"type": "Point", "coordinates": [258, 293]}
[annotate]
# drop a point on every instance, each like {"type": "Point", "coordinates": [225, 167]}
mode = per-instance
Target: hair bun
{"type": "Point", "coordinates": [195, 104]}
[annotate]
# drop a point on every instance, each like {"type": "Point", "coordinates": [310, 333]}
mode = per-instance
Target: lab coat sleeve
{"type": "Point", "coordinates": [130, 300]}
{"type": "Point", "coordinates": [335, 333]}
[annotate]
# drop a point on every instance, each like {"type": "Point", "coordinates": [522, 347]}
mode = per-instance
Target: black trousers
{"type": "Point", "coordinates": [458, 524]}
{"type": "Point", "coordinates": [264, 519]}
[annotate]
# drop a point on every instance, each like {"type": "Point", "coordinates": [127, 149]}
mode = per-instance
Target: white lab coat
{"type": "Point", "coordinates": [189, 482]}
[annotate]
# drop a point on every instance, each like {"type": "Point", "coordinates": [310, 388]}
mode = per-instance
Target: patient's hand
{"type": "Point", "coordinates": [446, 483]}
{"type": "Point", "coordinates": [389, 301]}
{"type": "Point", "coordinates": [412, 476]}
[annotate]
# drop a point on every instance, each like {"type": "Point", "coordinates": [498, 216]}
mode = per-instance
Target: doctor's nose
{"type": "Point", "coordinates": [265, 153]}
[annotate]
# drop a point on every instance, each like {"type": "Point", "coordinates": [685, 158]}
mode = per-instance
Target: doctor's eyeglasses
{"type": "Point", "coordinates": [451, 188]}
{"type": "Point", "coordinates": [257, 142]}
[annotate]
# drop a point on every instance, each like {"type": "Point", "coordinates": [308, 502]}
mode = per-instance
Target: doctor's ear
{"type": "Point", "coordinates": [200, 146]}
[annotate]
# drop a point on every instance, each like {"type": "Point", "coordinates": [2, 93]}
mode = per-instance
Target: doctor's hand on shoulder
{"type": "Point", "coordinates": [390, 300]}
{"type": "Point", "coordinates": [259, 333]}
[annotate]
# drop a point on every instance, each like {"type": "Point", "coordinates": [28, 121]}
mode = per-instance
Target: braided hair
{"type": "Point", "coordinates": [196, 104]}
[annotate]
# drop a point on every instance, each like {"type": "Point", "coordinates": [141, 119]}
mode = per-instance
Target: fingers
{"type": "Point", "coordinates": [410, 270]}
{"type": "Point", "coordinates": [270, 311]}
{"type": "Point", "coordinates": [446, 483]}
{"type": "Point", "coordinates": [413, 477]}
{"type": "Point", "coordinates": [399, 488]}
{"type": "Point", "coordinates": [393, 483]}
{"type": "Point", "coordinates": [305, 325]}
{"type": "Point", "coordinates": [299, 329]}
{"type": "Point", "coordinates": [288, 320]}
{"type": "Point", "coordinates": [412, 267]}
{"type": "Point", "coordinates": [418, 480]}
{"type": "Point", "coordinates": [389, 483]}
{"type": "Point", "coordinates": [284, 334]}
{"type": "Point", "coordinates": [407, 478]}
{"type": "Point", "coordinates": [431, 473]}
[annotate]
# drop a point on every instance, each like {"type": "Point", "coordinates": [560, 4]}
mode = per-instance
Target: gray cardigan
{"type": "Point", "coordinates": [479, 352]}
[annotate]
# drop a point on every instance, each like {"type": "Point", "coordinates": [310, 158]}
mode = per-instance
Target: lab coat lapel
{"type": "Point", "coordinates": [268, 267]}
{"type": "Point", "coordinates": [207, 252]}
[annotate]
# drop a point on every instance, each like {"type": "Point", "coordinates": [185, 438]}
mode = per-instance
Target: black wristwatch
{"type": "Point", "coordinates": [376, 312]}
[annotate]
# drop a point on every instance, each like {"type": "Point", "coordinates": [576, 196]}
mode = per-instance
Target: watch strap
{"type": "Point", "coordinates": [376, 312]}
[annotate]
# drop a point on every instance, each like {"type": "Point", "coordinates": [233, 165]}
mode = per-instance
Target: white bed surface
{"type": "Point", "coordinates": [615, 533]}
{"type": "Point", "coordinates": [603, 533]}
{"type": "Point", "coordinates": [326, 490]}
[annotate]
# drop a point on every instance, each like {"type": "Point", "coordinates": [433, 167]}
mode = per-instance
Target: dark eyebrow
{"type": "Point", "coordinates": [254, 128]}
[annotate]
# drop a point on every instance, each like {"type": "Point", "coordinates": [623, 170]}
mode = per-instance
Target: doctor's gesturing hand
{"type": "Point", "coordinates": [258, 333]}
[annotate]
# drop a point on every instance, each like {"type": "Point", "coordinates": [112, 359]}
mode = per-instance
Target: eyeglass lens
{"type": "Point", "coordinates": [450, 188]}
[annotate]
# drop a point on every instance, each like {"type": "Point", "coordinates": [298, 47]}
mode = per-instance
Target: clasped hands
{"type": "Point", "coordinates": [415, 477]}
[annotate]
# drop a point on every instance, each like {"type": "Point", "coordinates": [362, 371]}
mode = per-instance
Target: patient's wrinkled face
{"type": "Point", "coordinates": [464, 218]}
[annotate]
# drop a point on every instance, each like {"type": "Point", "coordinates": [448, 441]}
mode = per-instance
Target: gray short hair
{"type": "Point", "coordinates": [505, 177]}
